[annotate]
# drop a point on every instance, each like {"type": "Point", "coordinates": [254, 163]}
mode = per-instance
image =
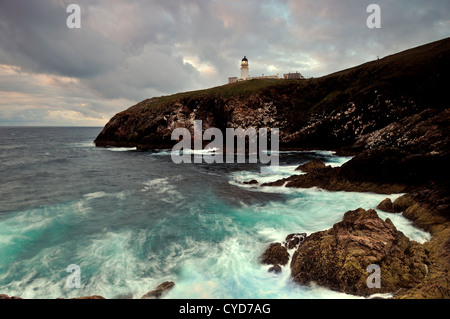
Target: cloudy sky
{"type": "Point", "coordinates": [129, 50]}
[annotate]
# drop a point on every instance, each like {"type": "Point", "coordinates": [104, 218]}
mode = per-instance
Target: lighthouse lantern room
{"type": "Point", "coordinates": [244, 69]}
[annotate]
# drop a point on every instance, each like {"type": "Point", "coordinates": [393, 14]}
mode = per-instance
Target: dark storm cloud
{"type": "Point", "coordinates": [33, 35]}
{"type": "Point", "coordinates": [126, 51]}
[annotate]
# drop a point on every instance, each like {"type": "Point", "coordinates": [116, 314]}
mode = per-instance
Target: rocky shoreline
{"type": "Point", "coordinates": [338, 258]}
{"type": "Point", "coordinates": [157, 293]}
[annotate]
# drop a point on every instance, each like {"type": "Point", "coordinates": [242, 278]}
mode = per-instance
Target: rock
{"type": "Point", "coordinates": [386, 206]}
{"type": "Point", "coordinates": [382, 171]}
{"type": "Point", "coordinates": [159, 291]}
{"type": "Point", "coordinates": [4, 296]}
{"type": "Point", "coordinates": [338, 258]}
{"type": "Point", "coordinates": [275, 254]}
{"type": "Point", "coordinates": [252, 182]}
{"type": "Point", "coordinates": [275, 269]}
{"type": "Point", "coordinates": [90, 297]}
{"type": "Point", "coordinates": [311, 166]}
{"type": "Point", "coordinates": [402, 203]}
{"type": "Point", "coordinates": [293, 240]}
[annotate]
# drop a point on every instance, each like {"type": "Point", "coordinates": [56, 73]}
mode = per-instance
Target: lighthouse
{"type": "Point", "coordinates": [245, 76]}
{"type": "Point", "coordinates": [244, 69]}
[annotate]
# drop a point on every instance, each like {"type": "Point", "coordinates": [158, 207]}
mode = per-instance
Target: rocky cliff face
{"type": "Point", "coordinates": [330, 112]}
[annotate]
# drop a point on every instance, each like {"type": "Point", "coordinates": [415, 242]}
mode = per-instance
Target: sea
{"type": "Point", "coordinates": [130, 220]}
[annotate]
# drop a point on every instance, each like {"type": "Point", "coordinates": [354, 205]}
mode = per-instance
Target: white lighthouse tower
{"type": "Point", "coordinates": [244, 69]}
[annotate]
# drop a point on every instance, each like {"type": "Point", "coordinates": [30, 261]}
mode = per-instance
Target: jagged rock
{"type": "Point", "coordinates": [293, 240]}
{"type": "Point", "coordinates": [381, 170]}
{"type": "Point", "coordinates": [386, 206]}
{"type": "Point", "coordinates": [311, 166]}
{"type": "Point", "coordinates": [275, 254]}
{"type": "Point", "coordinates": [338, 258]}
{"type": "Point", "coordinates": [399, 205]}
{"type": "Point", "coordinates": [402, 203]}
{"type": "Point", "coordinates": [159, 291]}
{"type": "Point", "coordinates": [252, 182]}
{"type": "Point", "coordinates": [275, 269]}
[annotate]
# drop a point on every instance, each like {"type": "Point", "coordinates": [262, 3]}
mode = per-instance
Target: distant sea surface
{"type": "Point", "coordinates": [132, 220]}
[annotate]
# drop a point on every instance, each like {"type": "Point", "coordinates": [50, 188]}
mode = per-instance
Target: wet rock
{"type": "Point", "coordinates": [293, 240]}
{"type": "Point", "coordinates": [275, 254]}
{"type": "Point", "coordinates": [276, 269]}
{"type": "Point", "coordinates": [402, 203]}
{"type": "Point", "coordinates": [381, 171]}
{"type": "Point", "coordinates": [338, 258]}
{"type": "Point", "coordinates": [90, 297]}
{"type": "Point", "coordinates": [159, 291]}
{"type": "Point", "coordinates": [311, 166]}
{"type": "Point", "coordinates": [386, 206]}
{"type": "Point", "coordinates": [5, 296]}
{"type": "Point", "coordinates": [252, 182]}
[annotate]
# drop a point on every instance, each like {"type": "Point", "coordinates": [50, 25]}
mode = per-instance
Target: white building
{"type": "Point", "coordinates": [244, 69]}
{"type": "Point", "coordinates": [245, 74]}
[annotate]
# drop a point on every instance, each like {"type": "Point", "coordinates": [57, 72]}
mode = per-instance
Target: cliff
{"type": "Point", "coordinates": [329, 112]}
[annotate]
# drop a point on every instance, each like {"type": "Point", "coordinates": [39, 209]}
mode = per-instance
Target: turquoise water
{"type": "Point", "coordinates": [132, 220]}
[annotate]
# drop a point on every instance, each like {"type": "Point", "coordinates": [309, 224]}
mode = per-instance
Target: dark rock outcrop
{"type": "Point", "coordinates": [91, 297]}
{"type": "Point", "coordinates": [386, 206]}
{"type": "Point", "coordinates": [398, 206]}
{"type": "Point", "coordinates": [159, 291]}
{"type": "Point", "coordinates": [276, 269]}
{"type": "Point", "coordinates": [252, 182]}
{"type": "Point", "coordinates": [338, 258]}
{"type": "Point", "coordinates": [293, 240]}
{"type": "Point", "coordinates": [364, 173]}
{"type": "Point", "coordinates": [311, 166]}
{"type": "Point", "coordinates": [402, 203]}
{"type": "Point", "coordinates": [275, 254]}
{"type": "Point", "coordinates": [4, 296]}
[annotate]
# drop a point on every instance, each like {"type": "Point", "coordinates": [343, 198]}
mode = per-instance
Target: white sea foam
{"type": "Point", "coordinates": [83, 144]}
{"type": "Point", "coordinates": [100, 194]}
{"type": "Point", "coordinates": [164, 187]}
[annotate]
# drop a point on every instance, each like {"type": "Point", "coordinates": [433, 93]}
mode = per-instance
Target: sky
{"type": "Point", "coordinates": [129, 50]}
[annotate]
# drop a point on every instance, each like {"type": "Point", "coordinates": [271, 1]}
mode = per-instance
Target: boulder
{"type": "Point", "coordinates": [276, 269]}
{"type": "Point", "coordinates": [338, 258]}
{"type": "Point", "coordinates": [386, 206]}
{"type": "Point", "coordinates": [311, 166]}
{"type": "Point", "coordinates": [159, 291]}
{"type": "Point", "coordinates": [275, 254]}
{"type": "Point", "coordinates": [402, 203]}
